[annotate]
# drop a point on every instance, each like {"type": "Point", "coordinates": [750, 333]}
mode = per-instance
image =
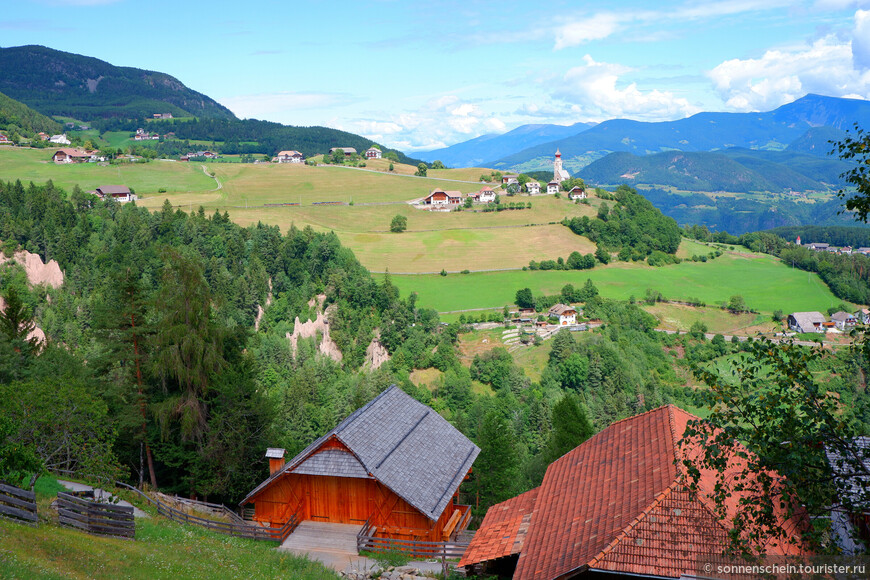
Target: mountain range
{"type": "Point", "coordinates": [82, 87]}
{"type": "Point", "coordinates": [808, 122]}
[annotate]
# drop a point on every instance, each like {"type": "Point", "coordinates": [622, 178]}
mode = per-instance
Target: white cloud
{"type": "Point", "coordinates": [581, 31]}
{"type": "Point", "coordinates": [861, 40]}
{"type": "Point", "coordinates": [780, 76]}
{"type": "Point", "coordinates": [593, 92]}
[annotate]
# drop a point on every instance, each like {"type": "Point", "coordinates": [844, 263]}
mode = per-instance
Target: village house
{"type": "Point", "coordinates": [553, 187]}
{"type": "Point", "coordinates": [863, 316]}
{"type": "Point", "coordinates": [509, 178]}
{"type": "Point", "coordinates": [289, 157]}
{"type": "Point", "coordinates": [394, 464]}
{"type": "Point", "coordinates": [120, 193]}
{"type": "Point", "coordinates": [806, 321]}
{"type": "Point", "coordinates": [861, 250]}
{"type": "Point", "coordinates": [439, 197]}
{"type": "Point", "coordinates": [59, 139]}
{"type": "Point", "coordinates": [576, 193]}
{"type": "Point", "coordinates": [533, 187]}
{"type": "Point", "coordinates": [616, 506]}
{"type": "Point", "coordinates": [817, 247]}
{"type": "Point", "coordinates": [42, 136]}
{"type": "Point", "coordinates": [4, 140]}
{"type": "Point", "coordinates": [373, 153]}
{"type": "Point", "coordinates": [843, 320]}
{"type": "Point", "coordinates": [348, 151]}
{"type": "Point", "coordinates": [566, 315]}
{"type": "Point", "coordinates": [72, 156]}
{"type": "Point", "coordinates": [486, 194]}
{"type": "Point", "coordinates": [143, 135]}
{"type": "Point", "coordinates": [851, 528]}
{"type": "Point", "coordinates": [162, 115]}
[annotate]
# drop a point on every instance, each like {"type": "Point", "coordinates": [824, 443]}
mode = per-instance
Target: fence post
{"type": "Point", "coordinates": [444, 560]}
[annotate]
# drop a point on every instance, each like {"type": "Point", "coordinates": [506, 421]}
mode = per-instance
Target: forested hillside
{"type": "Point", "coordinates": [15, 117]}
{"type": "Point", "coordinates": [82, 87]}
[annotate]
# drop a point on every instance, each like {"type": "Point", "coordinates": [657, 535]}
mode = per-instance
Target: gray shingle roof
{"type": "Point", "coordinates": [334, 462]}
{"type": "Point", "coordinates": [405, 445]}
{"type": "Point", "coordinates": [275, 453]}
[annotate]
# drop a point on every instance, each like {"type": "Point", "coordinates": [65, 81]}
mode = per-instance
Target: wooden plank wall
{"type": "Point", "coordinates": [18, 504]}
{"type": "Point", "coordinates": [95, 518]}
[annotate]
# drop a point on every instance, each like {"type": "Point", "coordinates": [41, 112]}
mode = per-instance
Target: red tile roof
{"type": "Point", "coordinates": [617, 503]}
{"type": "Point", "coordinates": [503, 530]}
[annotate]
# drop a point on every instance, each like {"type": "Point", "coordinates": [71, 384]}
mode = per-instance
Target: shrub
{"type": "Point", "coordinates": [443, 272]}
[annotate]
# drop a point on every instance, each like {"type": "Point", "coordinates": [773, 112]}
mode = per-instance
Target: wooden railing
{"type": "Point", "coordinates": [18, 504]}
{"type": "Point", "coordinates": [94, 517]}
{"type": "Point", "coordinates": [243, 530]}
{"type": "Point", "coordinates": [213, 507]}
{"type": "Point", "coordinates": [367, 540]}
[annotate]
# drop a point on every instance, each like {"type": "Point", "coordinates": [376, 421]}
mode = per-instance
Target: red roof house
{"type": "Point", "coordinates": [441, 197]}
{"type": "Point", "coordinates": [616, 504]}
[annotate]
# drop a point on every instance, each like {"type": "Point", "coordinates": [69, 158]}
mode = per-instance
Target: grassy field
{"type": "Point", "coordinates": [680, 317]}
{"type": "Point", "coordinates": [764, 282]}
{"type": "Point", "coordinates": [162, 549]}
{"type": "Point", "coordinates": [145, 178]}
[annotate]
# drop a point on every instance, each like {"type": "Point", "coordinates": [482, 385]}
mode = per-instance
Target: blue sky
{"type": "Point", "coordinates": [423, 75]}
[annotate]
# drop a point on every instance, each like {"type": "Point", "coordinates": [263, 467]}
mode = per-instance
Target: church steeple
{"type": "Point", "coordinates": [559, 174]}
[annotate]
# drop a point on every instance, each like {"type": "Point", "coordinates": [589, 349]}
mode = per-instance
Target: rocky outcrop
{"type": "Point", "coordinates": [311, 328]}
{"type": "Point", "coordinates": [376, 353]}
{"type": "Point", "coordinates": [36, 333]}
{"type": "Point", "coordinates": [38, 272]}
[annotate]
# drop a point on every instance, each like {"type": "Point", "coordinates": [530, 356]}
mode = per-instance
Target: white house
{"type": "Point", "coordinates": [120, 193]}
{"type": "Point", "coordinates": [59, 139]}
{"type": "Point", "coordinates": [373, 153]}
{"type": "Point", "coordinates": [843, 320]}
{"type": "Point", "coordinates": [4, 139]}
{"type": "Point", "coordinates": [576, 193]}
{"type": "Point", "coordinates": [533, 187]}
{"type": "Point", "coordinates": [486, 194]}
{"type": "Point", "coordinates": [553, 187]}
{"type": "Point", "coordinates": [289, 157]}
{"type": "Point", "coordinates": [863, 316]}
{"type": "Point", "coordinates": [441, 197]}
{"type": "Point", "coordinates": [567, 315]}
{"type": "Point", "coordinates": [806, 322]}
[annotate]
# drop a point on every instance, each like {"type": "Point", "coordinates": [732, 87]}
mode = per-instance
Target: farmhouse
{"type": "Point", "coordinates": [59, 139]}
{"type": "Point", "coordinates": [553, 187]}
{"type": "Point", "coordinates": [509, 178]}
{"type": "Point", "coordinates": [4, 140]}
{"type": "Point", "coordinates": [120, 193]}
{"type": "Point", "coordinates": [533, 187]}
{"type": "Point", "coordinates": [70, 156]}
{"type": "Point", "coordinates": [576, 193]}
{"type": "Point", "coordinates": [485, 195]}
{"type": "Point", "coordinates": [843, 320]}
{"type": "Point", "coordinates": [863, 316]}
{"type": "Point", "coordinates": [394, 463]}
{"type": "Point", "coordinates": [373, 153]}
{"type": "Point", "coordinates": [348, 151]}
{"type": "Point", "coordinates": [616, 506]}
{"type": "Point", "coordinates": [567, 315]}
{"type": "Point", "coordinates": [806, 321]}
{"type": "Point", "coordinates": [289, 157]}
{"type": "Point", "coordinates": [162, 115]}
{"type": "Point", "coordinates": [42, 136]}
{"type": "Point", "coordinates": [441, 197]}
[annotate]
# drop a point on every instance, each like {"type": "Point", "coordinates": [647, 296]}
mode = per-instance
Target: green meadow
{"type": "Point", "coordinates": [765, 283]}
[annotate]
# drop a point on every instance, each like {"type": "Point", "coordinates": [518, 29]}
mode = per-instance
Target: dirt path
{"type": "Point", "coordinates": [218, 181]}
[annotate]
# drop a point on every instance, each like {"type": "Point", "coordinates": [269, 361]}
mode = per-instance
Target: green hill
{"type": "Point", "coordinates": [16, 116]}
{"type": "Point", "coordinates": [66, 84]}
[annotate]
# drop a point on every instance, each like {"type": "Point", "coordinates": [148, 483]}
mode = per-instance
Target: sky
{"type": "Point", "coordinates": [423, 75]}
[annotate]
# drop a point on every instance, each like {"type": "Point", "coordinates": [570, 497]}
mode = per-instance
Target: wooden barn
{"type": "Point", "coordinates": [394, 464]}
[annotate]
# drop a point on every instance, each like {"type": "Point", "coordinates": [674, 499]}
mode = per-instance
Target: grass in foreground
{"type": "Point", "coordinates": [162, 549]}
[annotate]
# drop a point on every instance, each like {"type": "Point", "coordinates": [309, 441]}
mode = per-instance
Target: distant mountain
{"type": "Point", "coordinates": [773, 130]}
{"type": "Point", "coordinates": [732, 170]}
{"type": "Point", "coordinates": [14, 114]}
{"type": "Point", "coordinates": [477, 152]}
{"type": "Point", "coordinates": [66, 84]}
{"type": "Point", "coordinates": [817, 141]}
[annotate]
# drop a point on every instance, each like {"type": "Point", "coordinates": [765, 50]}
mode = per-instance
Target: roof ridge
{"type": "Point", "coordinates": [631, 525]}
{"type": "Point", "coordinates": [350, 418]}
{"type": "Point", "coordinates": [633, 417]}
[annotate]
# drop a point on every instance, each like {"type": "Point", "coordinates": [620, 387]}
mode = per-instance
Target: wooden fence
{"type": "Point", "coordinates": [94, 517]}
{"type": "Point", "coordinates": [18, 504]}
{"type": "Point", "coordinates": [233, 528]}
{"type": "Point", "coordinates": [366, 540]}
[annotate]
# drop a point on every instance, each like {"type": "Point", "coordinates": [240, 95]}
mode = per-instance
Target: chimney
{"type": "Point", "coordinates": [275, 456]}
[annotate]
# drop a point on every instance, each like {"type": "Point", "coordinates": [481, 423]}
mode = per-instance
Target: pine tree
{"type": "Point", "coordinates": [497, 467]}
{"type": "Point", "coordinates": [571, 427]}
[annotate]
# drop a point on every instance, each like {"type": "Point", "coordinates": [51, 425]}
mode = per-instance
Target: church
{"type": "Point", "coordinates": [559, 174]}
